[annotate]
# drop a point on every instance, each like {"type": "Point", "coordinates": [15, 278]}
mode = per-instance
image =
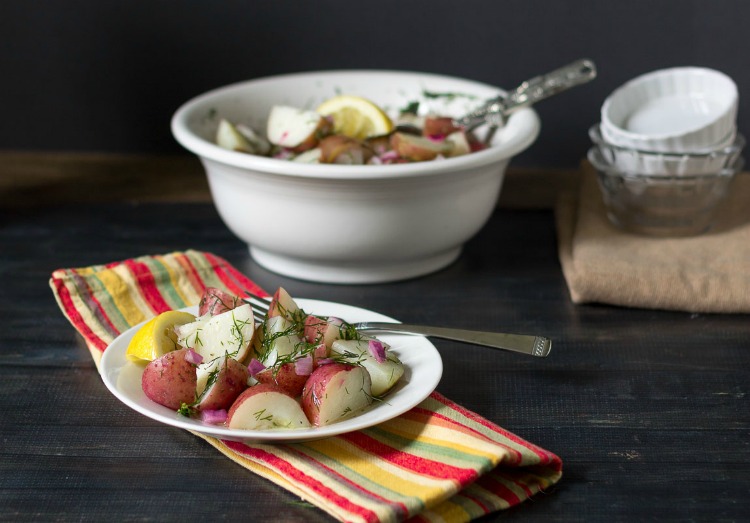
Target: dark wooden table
{"type": "Point", "coordinates": [648, 409]}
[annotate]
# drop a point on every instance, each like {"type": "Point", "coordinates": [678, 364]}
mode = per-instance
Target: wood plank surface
{"type": "Point", "coordinates": [44, 178]}
{"type": "Point", "coordinates": [647, 409]}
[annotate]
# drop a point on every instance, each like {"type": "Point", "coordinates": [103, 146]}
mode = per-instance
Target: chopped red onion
{"type": "Point", "coordinates": [389, 156]}
{"type": "Point", "coordinates": [284, 154]}
{"type": "Point", "coordinates": [255, 367]}
{"type": "Point", "coordinates": [193, 357]}
{"type": "Point", "coordinates": [326, 361]}
{"type": "Point", "coordinates": [304, 366]}
{"type": "Point", "coordinates": [214, 416]}
{"type": "Point", "coordinates": [377, 350]}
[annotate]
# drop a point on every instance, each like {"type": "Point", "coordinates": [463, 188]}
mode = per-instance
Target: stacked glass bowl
{"type": "Point", "coordinates": [667, 149]}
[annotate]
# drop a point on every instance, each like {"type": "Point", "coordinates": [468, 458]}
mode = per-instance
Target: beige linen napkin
{"type": "Point", "coordinates": [601, 263]}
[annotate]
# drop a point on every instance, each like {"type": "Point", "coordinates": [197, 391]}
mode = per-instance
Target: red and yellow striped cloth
{"type": "Point", "coordinates": [437, 462]}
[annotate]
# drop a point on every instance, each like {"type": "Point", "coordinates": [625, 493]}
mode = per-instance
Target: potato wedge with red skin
{"type": "Point", "coordinates": [280, 340]}
{"type": "Point", "coordinates": [215, 301]}
{"type": "Point", "coordinates": [296, 129]}
{"type": "Point", "coordinates": [227, 334]}
{"type": "Point", "coordinates": [228, 382]}
{"type": "Point", "coordinates": [170, 380]}
{"type": "Point", "coordinates": [342, 149]}
{"type": "Point", "coordinates": [335, 392]}
{"type": "Point", "coordinates": [321, 330]}
{"type": "Point", "coordinates": [459, 143]}
{"type": "Point", "coordinates": [384, 373]}
{"type": "Point", "coordinates": [285, 377]}
{"type": "Point", "coordinates": [266, 406]}
{"type": "Point", "coordinates": [418, 148]}
{"type": "Point", "coordinates": [282, 304]}
{"type": "Point", "coordinates": [228, 137]}
{"type": "Point", "coordinates": [439, 126]}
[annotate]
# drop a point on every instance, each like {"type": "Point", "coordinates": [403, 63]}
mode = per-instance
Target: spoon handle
{"type": "Point", "coordinates": [550, 84]}
{"type": "Point", "coordinates": [530, 92]}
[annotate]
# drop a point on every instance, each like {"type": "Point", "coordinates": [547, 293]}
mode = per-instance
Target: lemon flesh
{"type": "Point", "coordinates": [356, 117]}
{"type": "Point", "coordinates": [157, 336]}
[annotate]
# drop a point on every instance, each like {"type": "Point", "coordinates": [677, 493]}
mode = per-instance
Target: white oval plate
{"type": "Point", "coordinates": [423, 370]}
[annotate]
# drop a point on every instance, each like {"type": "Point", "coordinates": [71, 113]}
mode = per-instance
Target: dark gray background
{"type": "Point", "coordinates": [106, 76]}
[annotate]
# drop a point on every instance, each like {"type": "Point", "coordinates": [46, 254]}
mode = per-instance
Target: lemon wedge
{"type": "Point", "coordinates": [356, 117]}
{"type": "Point", "coordinates": [157, 336]}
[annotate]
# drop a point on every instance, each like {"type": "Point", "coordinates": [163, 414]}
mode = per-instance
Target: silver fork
{"type": "Point", "coordinates": [538, 346]}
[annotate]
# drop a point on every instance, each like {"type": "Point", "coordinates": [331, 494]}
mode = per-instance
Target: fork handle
{"type": "Point", "coordinates": [538, 346]}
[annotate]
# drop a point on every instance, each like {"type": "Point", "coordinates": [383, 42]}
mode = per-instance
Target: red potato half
{"type": "Point", "coordinates": [285, 377]}
{"type": "Point", "coordinates": [384, 374]}
{"type": "Point", "coordinates": [439, 126]}
{"type": "Point", "coordinates": [280, 341]}
{"type": "Point", "coordinates": [282, 304]}
{"type": "Point", "coordinates": [170, 380]}
{"type": "Point", "coordinates": [342, 149]}
{"type": "Point", "coordinates": [213, 337]}
{"type": "Point", "coordinates": [335, 392]}
{"type": "Point", "coordinates": [295, 128]}
{"type": "Point", "coordinates": [418, 148]}
{"type": "Point", "coordinates": [215, 301]}
{"type": "Point", "coordinates": [265, 406]}
{"type": "Point", "coordinates": [223, 386]}
{"type": "Point", "coordinates": [459, 144]}
{"type": "Point", "coordinates": [321, 330]}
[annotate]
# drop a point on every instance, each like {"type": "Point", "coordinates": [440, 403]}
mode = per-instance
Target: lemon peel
{"type": "Point", "coordinates": [157, 336]}
{"type": "Point", "coordinates": [356, 117]}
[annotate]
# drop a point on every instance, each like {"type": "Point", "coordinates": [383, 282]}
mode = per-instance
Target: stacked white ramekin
{"type": "Point", "coordinates": [666, 150]}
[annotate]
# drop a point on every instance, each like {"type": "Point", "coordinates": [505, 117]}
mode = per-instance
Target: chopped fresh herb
{"type": "Point", "coordinates": [411, 108]}
{"type": "Point", "coordinates": [185, 410]}
{"type": "Point", "coordinates": [259, 416]}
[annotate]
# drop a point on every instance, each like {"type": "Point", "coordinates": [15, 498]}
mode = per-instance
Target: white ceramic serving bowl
{"type": "Point", "coordinates": [677, 110]}
{"type": "Point", "coordinates": [634, 161]}
{"type": "Point", "coordinates": [351, 224]}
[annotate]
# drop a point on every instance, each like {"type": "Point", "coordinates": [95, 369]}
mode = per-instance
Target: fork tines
{"type": "Point", "coordinates": [259, 304]}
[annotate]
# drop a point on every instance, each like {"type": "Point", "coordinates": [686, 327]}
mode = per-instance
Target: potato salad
{"type": "Point", "coordinates": [350, 130]}
{"type": "Point", "coordinates": [292, 370]}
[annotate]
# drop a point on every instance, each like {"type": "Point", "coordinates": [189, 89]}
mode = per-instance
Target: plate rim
{"type": "Point", "coordinates": [110, 369]}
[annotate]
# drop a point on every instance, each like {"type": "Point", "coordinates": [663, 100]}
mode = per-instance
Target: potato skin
{"type": "Point", "coordinates": [439, 126]}
{"type": "Point", "coordinates": [319, 330]}
{"type": "Point", "coordinates": [230, 381]}
{"type": "Point", "coordinates": [319, 389]}
{"type": "Point", "coordinates": [170, 380]}
{"type": "Point", "coordinates": [215, 301]}
{"type": "Point", "coordinates": [270, 400]}
{"type": "Point", "coordinates": [417, 148]}
{"type": "Point", "coordinates": [341, 149]}
{"type": "Point", "coordinates": [285, 377]}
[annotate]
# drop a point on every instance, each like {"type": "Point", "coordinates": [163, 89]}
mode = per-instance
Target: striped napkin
{"type": "Point", "coordinates": [437, 462]}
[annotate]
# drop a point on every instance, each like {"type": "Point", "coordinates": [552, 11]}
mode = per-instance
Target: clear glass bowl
{"type": "Point", "coordinates": [662, 205]}
{"type": "Point", "coordinates": [669, 164]}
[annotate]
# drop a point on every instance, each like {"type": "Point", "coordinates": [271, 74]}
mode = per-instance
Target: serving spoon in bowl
{"type": "Point", "coordinates": [495, 111]}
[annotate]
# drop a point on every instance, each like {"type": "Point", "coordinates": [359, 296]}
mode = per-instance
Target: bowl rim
{"type": "Point", "coordinates": [675, 72]}
{"type": "Point", "coordinates": [524, 126]}
{"type": "Point", "coordinates": [602, 166]}
{"type": "Point", "coordinates": [737, 145]}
